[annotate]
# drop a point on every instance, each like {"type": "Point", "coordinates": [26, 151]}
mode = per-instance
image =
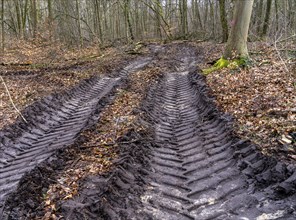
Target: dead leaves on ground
{"type": "Point", "coordinates": [28, 83]}
{"type": "Point", "coordinates": [263, 100]}
{"type": "Point", "coordinates": [101, 145]}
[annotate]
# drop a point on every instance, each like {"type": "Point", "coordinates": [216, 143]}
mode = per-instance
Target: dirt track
{"type": "Point", "coordinates": [190, 166]}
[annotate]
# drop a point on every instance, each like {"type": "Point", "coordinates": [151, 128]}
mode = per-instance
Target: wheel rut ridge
{"type": "Point", "coordinates": [200, 169]}
{"type": "Point", "coordinates": [192, 167]}
{"type": "Point", "coordinates": [53, 123]}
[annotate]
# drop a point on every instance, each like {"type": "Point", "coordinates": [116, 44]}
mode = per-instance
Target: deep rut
{"type": "Point", "coordinates": [187, 165]}
{"type": "Point", "coordinates": [55, 122]}
{"type": "Point", "coordinates": [194, 169]}
{"type": "Point", "coordinates": [60, 129]}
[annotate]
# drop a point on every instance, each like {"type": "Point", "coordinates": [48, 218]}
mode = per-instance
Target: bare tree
{"type": "Point", "coordinates": [237, 41]}
{"type": "Point", "coordinates": [2, 27]}
{"type": "Point", "coordinates": [223, 19]}
{"type": "Point", "coordinates": [266, 20]}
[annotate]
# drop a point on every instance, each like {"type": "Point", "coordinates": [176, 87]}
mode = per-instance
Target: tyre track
{"type": "Point", "coordinates": [65, 123]}
{"type": "Point", "coordinates": [53, 123]}
{"type": "Point", "coordinates": [192, 168]}
{"type": "Point", "coordinates": [195, 170]}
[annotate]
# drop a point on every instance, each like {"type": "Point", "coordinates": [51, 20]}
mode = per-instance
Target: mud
{"type": "Point", "coordinates": [53, 123]}
{"type": "Point", "coordinates": [188, 165]}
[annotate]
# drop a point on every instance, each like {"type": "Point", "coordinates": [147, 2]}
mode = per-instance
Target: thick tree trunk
{"type": "Point", "coordinates": [223, 19]}
{"type": "Point", "coordinates": [237, 41]}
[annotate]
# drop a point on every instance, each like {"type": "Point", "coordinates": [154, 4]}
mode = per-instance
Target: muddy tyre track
{"type": "Point", "coordinates": [190, 165]}
{"type": "Point", "coordinates": [200, 171]}
{"type": "Point", "coordinates": [54, 123]}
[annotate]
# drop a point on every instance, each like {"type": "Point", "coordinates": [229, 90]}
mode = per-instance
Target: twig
{"type": "Point", "coordinates": [286, 68]}
{"type": "Point", "coordinates": [288, 38]}
{"type": "Point", "coordinates": [12, 100]}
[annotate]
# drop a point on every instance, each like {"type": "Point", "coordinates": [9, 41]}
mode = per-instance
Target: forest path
{"type": "Point", "coordinates": [199, 170]}
{"type": "Point", "coordinates": [188, 164]}
{"type": "Point", "coordinates": [55, 122]}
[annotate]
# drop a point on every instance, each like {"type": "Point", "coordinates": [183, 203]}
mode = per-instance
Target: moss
{"type": "Point", "coordinates": [221, 63]}
{"type": "Point", "coordinates": [231, 64]}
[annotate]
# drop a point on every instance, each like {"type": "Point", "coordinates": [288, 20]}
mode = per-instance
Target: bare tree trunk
{"type": "Point", "coordinates": [259, 16]}
{"type": "Point", "coordinates": [2, 28]}
{"type": "Point", "coordinates": [237, 41]}
{"type": "Point", "coordinates": [34, 17]}
{"type": "Point", "coordinates": [212, 14]}
{"type": "Point", "coordinates": [198, 14]}
{"type": "Point", "coordinates": [127, 17]}
{"type": "Point", "coordinates": [183, 15]}
{"type": "Point", "coordinates": [79, 24]}
{"type": "Point", "coordinates": [18, 19]}
{"type": "Point", "coordinates": [266, 20]}
{"type": "Point", "coordinates": [158, 14]}
{"type": "Point", "coordinates": [276, 15]}
{"type": "Point", "coordinates": [223, 19]}
{"type": "Point", "coordinates": [97, 19]}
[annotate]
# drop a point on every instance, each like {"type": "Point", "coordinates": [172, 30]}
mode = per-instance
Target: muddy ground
{"type": "Point", "coordinates": [146, 142]}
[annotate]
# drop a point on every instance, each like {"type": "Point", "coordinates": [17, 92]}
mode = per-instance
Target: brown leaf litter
{"type": "Point", "coordinates": [101, 146]}
{"type": "Point", "coordinates": [262, 98]}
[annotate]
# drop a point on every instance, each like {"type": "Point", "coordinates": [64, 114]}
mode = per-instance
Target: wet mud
{"type": "Point", "coordinates": [187, 165]}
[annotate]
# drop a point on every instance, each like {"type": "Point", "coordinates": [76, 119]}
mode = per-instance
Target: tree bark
{"type": "Point", "coordinates": [158, 14]}
{"type": "Point", "coordinates": [2, 28]}
{"type": "Point", "coordinates": [266, 20]}
{"type": "Point", "coordinates": [50, 18]}
{"type": "Point", "coordinates": [237, 41]}
{"type": "Point", "coordinates": [259, 16]}
{"type": "Point", "coordinates": [223, 19]}
{"type": "Point", "coordinates": [34, 17]}
{"type": "Point", "coordinates": [128, 20]}
{"type": "Point", "coordinates": [79, 24]}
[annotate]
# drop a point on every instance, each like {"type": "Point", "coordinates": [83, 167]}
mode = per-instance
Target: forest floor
{"type": "Point", "coordinates": [261, 98]}
{"type": "Point", "coordinates": [260, 102]}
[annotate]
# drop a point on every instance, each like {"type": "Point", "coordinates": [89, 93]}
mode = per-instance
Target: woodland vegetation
{"type": "Point", "coordinates": [121, 56]}
{"type": "Point", "coordinates": [37, 35]}
{"type": "Point", "coordinates": [110, 22]}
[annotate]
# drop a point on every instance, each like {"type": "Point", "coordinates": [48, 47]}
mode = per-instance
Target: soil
{"type": "Point", "coordinates": [179, 158]}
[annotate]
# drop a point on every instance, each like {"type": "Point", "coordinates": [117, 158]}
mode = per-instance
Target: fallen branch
{"type": "Point", "coordinates": [279, 55]}
{"type": "Point", "coordinates": [12, 100]}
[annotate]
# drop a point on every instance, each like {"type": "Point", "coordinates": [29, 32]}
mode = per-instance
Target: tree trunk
{"type": "Point", "coordinates": [19, 19]}
{"type": "Point", "coordinates": [158, 14]}
{"type": "Point", "coordinates": [2, 28]}
{"type": "Point", "coordinates": [34, 17]}
{"type": "Point", "coordinates": [237, 41]}
{"type": "Point", "coordinates": [79, 24]}
{"type": "Point", "coordinates": [183, 16]}
{"type": "Point", "coordinates": [50, 18]}
{"type": "Point", "coordinates": [259, 16]}
{"type": "Point", "coordinates": [266, 20]}
{"type": "Point", "coordinates": [276, 15]}
{"type": "Point", "coordinates": [97, 18]}
{"type": "Point", "coordinates": [223, 19]}
{"type": "Point", "coordinates": [128, 20]}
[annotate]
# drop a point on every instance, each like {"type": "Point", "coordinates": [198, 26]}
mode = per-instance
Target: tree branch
{"type": "Point", "coordinates": [8, 93]}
